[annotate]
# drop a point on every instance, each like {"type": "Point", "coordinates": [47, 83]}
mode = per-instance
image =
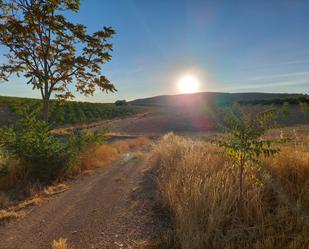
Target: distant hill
{"type": "Point", "coordinates": [198, 111]}
{"type": "Point", "coordinates": [216, 98]}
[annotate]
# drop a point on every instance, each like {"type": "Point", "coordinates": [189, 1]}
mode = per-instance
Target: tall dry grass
{"type": "Point", "coordinates": [100, 156]}
{"type": "Point", "coordinates": [199, 187]}
{"type": "Point", "coordinates": [13, 171]}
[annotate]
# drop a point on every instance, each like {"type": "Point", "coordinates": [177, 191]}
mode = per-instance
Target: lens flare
{"type": "Point", "coordinates": [188, 84]}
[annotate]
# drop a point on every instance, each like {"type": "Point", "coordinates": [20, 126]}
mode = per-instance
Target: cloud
{"type": "Point", "coordinates": [292, 62]}
{"type": "Point", "coordinates": [267, 85]}
{"type": "Point", "coordinates": [274, 76]}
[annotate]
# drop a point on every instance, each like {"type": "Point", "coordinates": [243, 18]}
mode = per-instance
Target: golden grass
{"type": "Point", "coordinates": [130, 144]}
{"type": "Point", "coordinates": [8, 215]}
{"type": "Point", "coordinates": [105, 154]}
{"type": "Point", "coordinates": [13, 209]}
{"type": "Point", "coordinates": [198, 185]}
{"type": "Point", "coordinates": [60, 244]}
{"type": "Point", "coordinates": [36, 200]}
{"type": "Point", "coordinates": [55, 189]}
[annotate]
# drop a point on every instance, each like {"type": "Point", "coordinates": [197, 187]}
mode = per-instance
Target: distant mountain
{"type": "Point", "coordinates": [217, 98]}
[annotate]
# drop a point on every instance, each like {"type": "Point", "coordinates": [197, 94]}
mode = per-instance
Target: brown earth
{"type": "Point", "coordinates": [157, 121]}
{"type": "Point", "coordinates": [107, 209]}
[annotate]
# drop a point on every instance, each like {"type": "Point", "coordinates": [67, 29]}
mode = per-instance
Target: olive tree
{"type": "Point", "coordinates": [50, 51]}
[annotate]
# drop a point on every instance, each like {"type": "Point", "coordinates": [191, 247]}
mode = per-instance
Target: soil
{"type": "Point", "coordinates": [108, 208]}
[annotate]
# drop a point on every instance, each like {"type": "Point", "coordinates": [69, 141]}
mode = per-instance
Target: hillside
{"type": "Point", "coordinates": [197, 112]}
{"type": "Point", "coordinates": [210, 97]}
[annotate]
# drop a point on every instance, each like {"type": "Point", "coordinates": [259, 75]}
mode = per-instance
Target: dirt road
{"type": "Point", "coordinates": [103, 210]}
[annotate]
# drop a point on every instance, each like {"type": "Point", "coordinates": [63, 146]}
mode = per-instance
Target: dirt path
{"type": "Point", "coordinates": [98, 211]}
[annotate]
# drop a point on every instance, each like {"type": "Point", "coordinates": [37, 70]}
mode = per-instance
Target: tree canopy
{"type": "Point", "coordinates": [52, 52]}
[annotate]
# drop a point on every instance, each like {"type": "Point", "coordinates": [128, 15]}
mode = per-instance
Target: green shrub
{"type": "Point", "coordinates": [77, 143]}
{"type": "Point", "coordinates": [3, 166]}
{"type": "Point", "coordinates": [44, 156]}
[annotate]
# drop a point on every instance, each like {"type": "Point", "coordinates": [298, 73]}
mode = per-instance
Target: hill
{"type": "Point", "coordinates": [197, 111]}
{"type": "Point", "coordinates": [216, 98]}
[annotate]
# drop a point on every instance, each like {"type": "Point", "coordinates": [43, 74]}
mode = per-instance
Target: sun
{"type": "Point", "coordinates": [188, 84]}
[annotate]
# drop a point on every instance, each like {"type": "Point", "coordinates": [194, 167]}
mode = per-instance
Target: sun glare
{"type": "Point", "coordinates": [188, 84]}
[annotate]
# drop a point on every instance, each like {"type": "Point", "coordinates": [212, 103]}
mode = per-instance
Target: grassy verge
{"type": "Point", "coordinates": [198, 186]}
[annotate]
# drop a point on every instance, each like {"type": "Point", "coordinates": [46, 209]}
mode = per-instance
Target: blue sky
{"type": "Point", "coordinates": [230, 46]}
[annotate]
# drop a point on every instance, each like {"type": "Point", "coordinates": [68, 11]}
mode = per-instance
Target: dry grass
{"type": "Point", "coordinates": [15, 171]}
{"type": "Point", "coordinates": [198, 185]}
{"type": "Point", "coordinates": [36, 200]}
{"type": "Point", "coordinates": [130, 144]}
{"type": "Point", "coordinates": [60, 244]}
{"type": "Point", "coordinates": [103, 155]}
{"type": "Point", "coordinates": [55, 189]}
{"type": "Point", "coordinates": [98, 156]}
{"type": "Point", "coordinates": [14, 209]}
{"type": "Point", "coordinates": [8, 215]}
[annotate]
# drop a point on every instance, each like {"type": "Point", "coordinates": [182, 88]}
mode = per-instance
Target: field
{"type": "Point", "coordinates": [198, 187]}
{"type": "Point", "coordinates": [68, 113]}
{"type": "Point", "coordinates": [198, 113]}
{"type": "Point", "coordinates": [154, 124]}
{"type": "Point", "coordinates": [160, 180]}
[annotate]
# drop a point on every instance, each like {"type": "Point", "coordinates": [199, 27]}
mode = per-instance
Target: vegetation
{"type": "Point", "coordinates": [243, 141]}
{"type": "Point", "coordinates": [121, 102]}
{"type": "Point", "coordinates": [60, 244]}
{"type": "Point", "coordinates": [199, 187]}
{"type": "Point", "coordinates": [69, 112]}
{"type": "Point", "coordinates": [33, 158]}
{"type": "Point", "coordinates": [42, 156]}
{"type": "Point", "coordinates": [50, 51]}
{"type": "Point", "coordinates": [277, 101]}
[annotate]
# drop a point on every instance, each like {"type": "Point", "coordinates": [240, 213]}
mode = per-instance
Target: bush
{"type": "Point", "coordinates": [121, 102]}
{"type": "Point", "coordinates": [31, 142]}
{"type": "Point", "coordinates": [43, 155]}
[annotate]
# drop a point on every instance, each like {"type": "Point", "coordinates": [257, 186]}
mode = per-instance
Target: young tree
{"type": "Point", "coordinates": [244, 141]}
{"type": "Point", "coordinates": [50, 51]}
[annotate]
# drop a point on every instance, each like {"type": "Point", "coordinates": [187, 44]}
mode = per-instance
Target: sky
{"type": "Point", "coordinates": [228, 46]}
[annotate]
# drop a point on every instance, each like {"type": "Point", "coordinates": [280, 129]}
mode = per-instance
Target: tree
{"type": "Point", "coordinates": [304, 107]}
{"type": "Point", "coordinates": [121, 102]}
{"type": "Point", "coordinates": [51, 52]}
{"type": "Point", "coordinates": [244, 141]}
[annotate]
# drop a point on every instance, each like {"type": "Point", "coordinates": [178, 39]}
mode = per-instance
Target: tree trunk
{"type": "Point", "coordinates": [45, 109]}
{"type": "Point", "coordinates": [241, 173]}
{"type": "Point", "coordinates": [241, 182]}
